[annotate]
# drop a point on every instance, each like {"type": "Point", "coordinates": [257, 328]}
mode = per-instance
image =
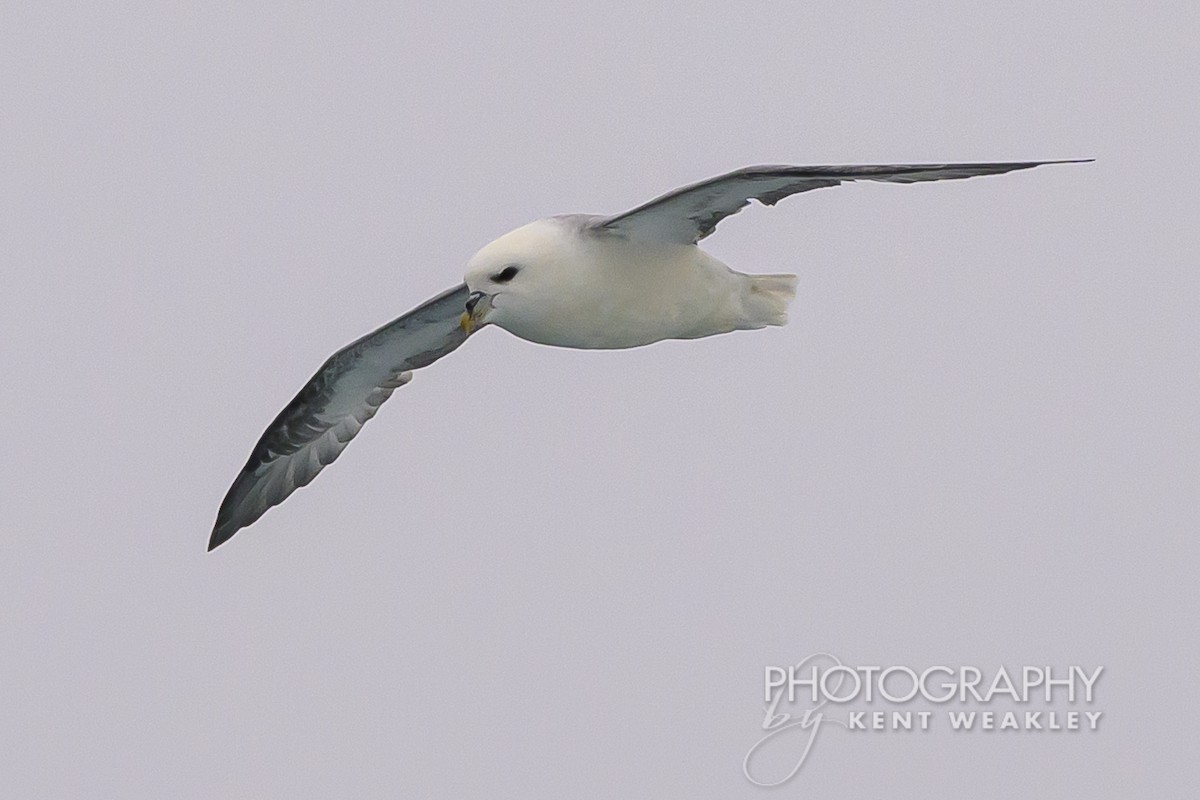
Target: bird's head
{"type": "Point", "coordinates": [512, 278]}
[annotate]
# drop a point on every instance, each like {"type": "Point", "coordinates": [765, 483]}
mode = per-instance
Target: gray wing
{"type": "Point", "coordinates": [333, 406]}
{"type": "Point", "coordinates": [687, 215]}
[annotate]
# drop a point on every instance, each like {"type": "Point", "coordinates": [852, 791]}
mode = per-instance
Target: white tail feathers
{"type": "Point", "coordinates": [766, 299]}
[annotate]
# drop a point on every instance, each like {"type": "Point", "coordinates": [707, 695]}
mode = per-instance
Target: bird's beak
{"type": "Point", "coordinates": [478, 305]}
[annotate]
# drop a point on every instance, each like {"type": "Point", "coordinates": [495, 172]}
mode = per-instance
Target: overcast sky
{"type": "Point", "coordinates": [550, 573]}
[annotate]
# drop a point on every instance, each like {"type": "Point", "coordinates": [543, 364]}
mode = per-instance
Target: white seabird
{"type": "Point", "coordinates": [577, 280]}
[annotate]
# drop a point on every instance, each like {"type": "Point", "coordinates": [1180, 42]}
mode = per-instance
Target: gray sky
{"type": "Point", "coordinates": [546, 573]}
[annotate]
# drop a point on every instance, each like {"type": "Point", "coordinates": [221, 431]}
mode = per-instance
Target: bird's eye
{"type": "Point", "coordinates": [507, 274]}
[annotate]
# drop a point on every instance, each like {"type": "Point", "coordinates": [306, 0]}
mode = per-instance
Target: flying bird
{"type": "Point", "coordinates": [574, 280]}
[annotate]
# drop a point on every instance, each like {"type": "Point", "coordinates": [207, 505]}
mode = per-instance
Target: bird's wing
{"type": "Point", "coordinates": [331, 409]}
{"type": "Point", "coordinates": [687, 215]}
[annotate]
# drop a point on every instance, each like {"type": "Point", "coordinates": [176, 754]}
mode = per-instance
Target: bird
{"type": "Point", "coordinates": [582, 281]}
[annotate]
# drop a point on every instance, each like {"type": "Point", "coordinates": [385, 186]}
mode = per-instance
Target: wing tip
{"type": "Point", "coordinates": [222, 532]}
{"type": "Point", "coordinates": [229, 520]}
{"type": "Point", "coordinates": [1067, 161]}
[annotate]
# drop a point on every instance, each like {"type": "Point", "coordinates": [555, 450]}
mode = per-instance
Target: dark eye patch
{"type": "Point", "coordinates": [507, 274]}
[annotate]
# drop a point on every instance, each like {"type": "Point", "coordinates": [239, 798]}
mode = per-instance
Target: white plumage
{"type": "Point", "coordinates": [576, 286]}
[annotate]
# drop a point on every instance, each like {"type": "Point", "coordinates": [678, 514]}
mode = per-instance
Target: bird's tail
{"type": "Point", "coordinates": [766, 299]}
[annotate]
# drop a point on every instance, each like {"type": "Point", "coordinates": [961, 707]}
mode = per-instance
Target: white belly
{"type": "Point", "coordinates": [619, 294]}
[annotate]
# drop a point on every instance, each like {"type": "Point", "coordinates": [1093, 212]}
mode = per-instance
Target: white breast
{"type": "Point", "coordinates": [615, 293]}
